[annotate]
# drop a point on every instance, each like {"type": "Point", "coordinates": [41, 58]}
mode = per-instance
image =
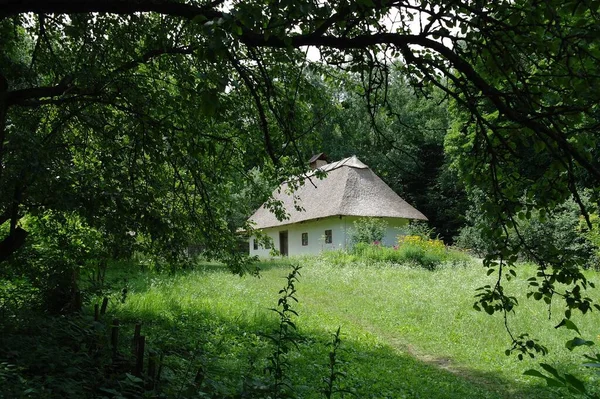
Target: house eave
{"type": "Point", "coordinates": [270, 226]}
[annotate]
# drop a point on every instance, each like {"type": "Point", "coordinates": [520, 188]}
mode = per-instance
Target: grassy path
{"type": "Point", "coordinates": [407, 333]}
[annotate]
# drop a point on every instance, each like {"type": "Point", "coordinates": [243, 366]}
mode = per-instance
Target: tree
{"type": "Point", "coordinates": [122, 138]}
{"type": "Point", "coordinates": [402, 140]}
{"type": "Point", "coordinates": [524, 74]}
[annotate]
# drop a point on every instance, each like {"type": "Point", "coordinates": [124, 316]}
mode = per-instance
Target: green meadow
{"type": "Point", "coordinates": [406, 332]}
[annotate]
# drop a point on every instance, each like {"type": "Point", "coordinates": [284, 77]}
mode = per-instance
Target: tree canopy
{"type": "Point", "coordinates": [144, 117]}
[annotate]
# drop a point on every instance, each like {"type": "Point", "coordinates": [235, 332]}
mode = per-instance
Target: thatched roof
{"type": "Point", "coordinates": [350, 189]}
{"type": "Point", "coordinates": [318, 156]}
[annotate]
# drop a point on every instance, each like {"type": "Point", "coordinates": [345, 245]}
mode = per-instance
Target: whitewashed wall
{"type": "Point", "coordinates": [340, 227]}
{"type": "Point", "coordinates": [395, 226]}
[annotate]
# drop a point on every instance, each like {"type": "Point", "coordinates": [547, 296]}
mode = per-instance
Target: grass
{"type": "Point", "coordinates": [406, 332]}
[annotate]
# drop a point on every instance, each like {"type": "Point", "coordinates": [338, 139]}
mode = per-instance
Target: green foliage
{"type": "Point", "coordinates": [420, 229]}
{"type": "Point", "coordinates": [554, 378]}
{"type": "Point", "coordinates": [401, 140]}
{"type": "Point", "coordinates": [367, 230]}
{"type": "Point", "coordinates": [593, 237]}
{"type": "Point", "coordinates": [421, 253]}
{"type": "Point", "coordinates": [284, 339]}
{"type": "Point", "coordinates": [146, 117]}
{"type": "Point", "coordinates": [55, 357]}
{"type": "Point", "coordinates": [529, 163]}
{"type": "Point", "coordinates": [211, 330]}
{"type": "Point", "coordinates": [59, 249]}
{"type": "Point", "coordinates": [332, 380]}
{"type": "Point", "coordinates": [558, 235]}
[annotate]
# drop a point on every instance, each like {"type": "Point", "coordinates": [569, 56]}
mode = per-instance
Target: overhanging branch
{"type": "Point", "coordinates": [13, 7]}
{"type": "Point", "coordinates": [24, 96]}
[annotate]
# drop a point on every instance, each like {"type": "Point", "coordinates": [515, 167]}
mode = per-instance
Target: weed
{"type": "Point", "coordinates": [284, 338]}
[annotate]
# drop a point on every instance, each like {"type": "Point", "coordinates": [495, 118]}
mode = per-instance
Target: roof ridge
{"type": "Point", "coordinates": [342, 198]}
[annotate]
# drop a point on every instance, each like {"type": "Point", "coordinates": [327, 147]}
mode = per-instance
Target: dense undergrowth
{"type": "Point", "coordinates": [406, 332]}
{"type": "Point", "coordinates": [412, 250]}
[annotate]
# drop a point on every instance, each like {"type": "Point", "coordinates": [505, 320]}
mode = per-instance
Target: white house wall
{"type": "Point", "coordinates": [339, 226]}
{"type": "Point", "coordinates": [395, 227]}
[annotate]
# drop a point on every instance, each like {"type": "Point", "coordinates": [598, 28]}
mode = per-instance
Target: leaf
{"type": "Point", "coordinates": [575, 342]}
{"type": "Point", "coordinates": [209, 102]}
{"type": "Point", "coordinates": [534, 373]}
{"type": "Point", "coordinates": [551, 370]}
{"type": "Point", "coordinates": [134, 379]}
{"type": "Point", "coordinates": [571, 326]}
{"type": "Point", "coordinates": [575, 383]}
{"type": "Point", "coordinates": [595, 365]}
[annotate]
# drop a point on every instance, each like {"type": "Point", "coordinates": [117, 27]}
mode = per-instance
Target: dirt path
{"type": "Point", "coordinates": [505, 390]}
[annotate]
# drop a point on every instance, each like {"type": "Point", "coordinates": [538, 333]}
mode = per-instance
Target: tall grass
{"type": "Point", "coordinates": [412, 250]}
{"type": "Point", "coordinates": [406, 331]}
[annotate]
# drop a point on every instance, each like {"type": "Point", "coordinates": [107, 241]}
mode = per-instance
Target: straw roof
{"type": "Point", "coordinates": [349, 189]}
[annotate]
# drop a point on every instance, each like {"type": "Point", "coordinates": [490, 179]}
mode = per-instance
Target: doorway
{"type": "Point", "coordinates": [283, 243]}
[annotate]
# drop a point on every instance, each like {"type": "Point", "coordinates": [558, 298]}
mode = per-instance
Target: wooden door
{"type": "Point", "coordinates": [283, 243]}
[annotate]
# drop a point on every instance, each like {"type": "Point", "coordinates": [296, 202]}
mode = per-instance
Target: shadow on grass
{"type": "Point", "coordinates": [226, 347]}
{"type": "Point", "coordinates": [231, 349]}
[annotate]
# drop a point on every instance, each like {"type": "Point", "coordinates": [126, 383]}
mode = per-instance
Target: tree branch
{"type": "Point", "coordinates": [13, 7]}
{"type": "Point", "coordinates": [23, 96]}
{"type": "Point", "coordinates": [259, 106]}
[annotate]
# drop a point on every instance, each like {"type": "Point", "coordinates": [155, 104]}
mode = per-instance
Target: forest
{"type": "Point", "coordinates": [136, 138]}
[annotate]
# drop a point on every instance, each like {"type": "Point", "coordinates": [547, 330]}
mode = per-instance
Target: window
{"type": "Point", "coordinates": [328, 238]}
{"type": "Point", "coordinates": [255, 244]}
{"type": "Point", "coordinates": [304, 239]}
{"type": "Point", "coordinates": [268, 244]}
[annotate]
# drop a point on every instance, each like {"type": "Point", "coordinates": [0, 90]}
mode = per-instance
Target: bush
{"type": "Point", "coordinates": [368, 230]}
{"type": "Point", "coordinates": [420, 229]}
{"type": "Point", "coordinates": [426, 253]}
{"type": "Point", "coordinates": [558, 235]}
{"type": "Point", "coordinates": [58, 248]}
{"type": "Point", "coordinates": [592, 236]}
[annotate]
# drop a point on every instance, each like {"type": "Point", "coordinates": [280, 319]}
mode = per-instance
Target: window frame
{"type": "Point", "coordinates": [328, 236]}
{"type": "Point", "coordinates": [304, 239]}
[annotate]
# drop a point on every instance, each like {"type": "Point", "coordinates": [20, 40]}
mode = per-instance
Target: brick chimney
{"type": "Point", "coordinates": [317, 161]}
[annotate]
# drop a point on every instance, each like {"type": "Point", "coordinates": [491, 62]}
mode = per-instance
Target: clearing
{"type": "Point", "coordinates": [406, 332]}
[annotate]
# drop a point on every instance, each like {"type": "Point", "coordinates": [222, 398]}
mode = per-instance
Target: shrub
{"type": "Point", "coordinates": [418, 255]}
{"type": "Point", "coordinates": [420, 229]}
{"type": "Point", "coordinates": [368, 230]}
{"type": "Point", "coordinates": [592, 236]}
{"type": "Point", "coordinates": [58, 248]}
{"type": "Point", "coordinates": [558, 235]}
{"type": "Point", "coordinates": [425, 253]}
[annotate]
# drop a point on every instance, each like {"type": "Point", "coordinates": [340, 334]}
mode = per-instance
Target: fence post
{"type": "Point", "coordinates": [139, 356]}
{"type": "Point", "coordinates": [136, 337]}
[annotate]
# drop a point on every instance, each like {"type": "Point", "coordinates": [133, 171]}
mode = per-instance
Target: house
{"type": "Point", "coordinates": [329, 206]}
